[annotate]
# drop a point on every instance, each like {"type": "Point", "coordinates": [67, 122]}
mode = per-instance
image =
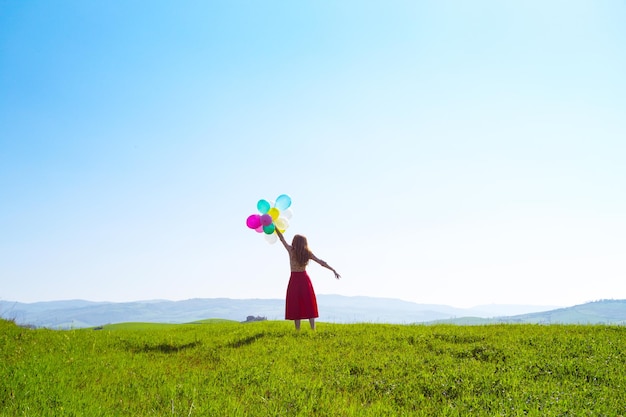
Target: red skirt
{"type": "Point", "coordinates": [301, 302]}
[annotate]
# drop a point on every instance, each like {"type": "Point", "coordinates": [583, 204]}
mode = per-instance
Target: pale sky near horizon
{"type": "Point", "coordinates": [441, 152]}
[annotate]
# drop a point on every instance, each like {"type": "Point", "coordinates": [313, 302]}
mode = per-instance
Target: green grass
{"type": "Point", "coordinates": [226, 368]}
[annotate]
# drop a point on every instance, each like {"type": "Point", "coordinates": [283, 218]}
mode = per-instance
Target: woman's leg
{"type": "Point", "coordinates": [312, 323]}
{"type": "Point", "coordinates": [297, 323]}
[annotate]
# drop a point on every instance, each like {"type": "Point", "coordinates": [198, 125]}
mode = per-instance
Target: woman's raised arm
{"type": "Point", "coordinates": [282, 239]}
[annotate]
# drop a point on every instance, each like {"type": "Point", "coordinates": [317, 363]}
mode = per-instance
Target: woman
{"type": "Point", "coordinates": [301, 302]}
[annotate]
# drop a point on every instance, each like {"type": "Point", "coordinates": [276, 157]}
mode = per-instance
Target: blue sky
{"type": "Point", "coordinates": [441, 152]}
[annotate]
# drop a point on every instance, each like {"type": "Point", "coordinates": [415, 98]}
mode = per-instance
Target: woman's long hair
{"type": "Point", "coordinates": [301, 250]}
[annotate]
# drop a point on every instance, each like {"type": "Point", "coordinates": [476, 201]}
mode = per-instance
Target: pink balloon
{"type": "Point", "coordinates": [253, 221]}
{"type": "Point", "coordinates": [266, 220]}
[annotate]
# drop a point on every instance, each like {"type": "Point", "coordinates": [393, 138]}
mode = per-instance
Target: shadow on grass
{"type": "Point", "coordinates": [246, 340]}
{"type": "Point", "coordinates": [163, 348]}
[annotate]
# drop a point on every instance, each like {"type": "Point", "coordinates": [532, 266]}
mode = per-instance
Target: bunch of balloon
{"type": "Point", "coordinates": [271, 216]}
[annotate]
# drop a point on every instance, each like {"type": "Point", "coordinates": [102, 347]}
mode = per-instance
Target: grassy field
{"type": "Point", "coordinates": [219, 368]}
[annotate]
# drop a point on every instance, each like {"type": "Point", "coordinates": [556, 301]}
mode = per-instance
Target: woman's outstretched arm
{"type": "Point", "coordinates": [282, 239]}
{"type": "Point", "coordinates": [325, 265]}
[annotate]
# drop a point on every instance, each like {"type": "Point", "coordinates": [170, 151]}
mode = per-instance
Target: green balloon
{"type": "Point", "coordinates": [269, 229]}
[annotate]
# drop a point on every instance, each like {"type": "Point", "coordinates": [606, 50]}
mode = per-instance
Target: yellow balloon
{"type": "Point", "coordinates": [282, 224]}
{"type": "Point", "coordinates": [274, 212]}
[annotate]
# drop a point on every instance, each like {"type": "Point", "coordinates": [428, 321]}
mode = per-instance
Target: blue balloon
{"type": "Point", "coordinates": [283, 202]}
{"type": "Point", "coordinates": [263, 206]}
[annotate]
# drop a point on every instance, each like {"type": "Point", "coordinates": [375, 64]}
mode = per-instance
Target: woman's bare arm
{"type": "Point", "coordinates": [282, 239]}
{"type": "Point", "coordinates": [325, 265]}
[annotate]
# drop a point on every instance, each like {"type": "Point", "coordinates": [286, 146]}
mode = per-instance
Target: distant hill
{"type": "Point", "coordinates": [333, 308]}
{"type": "Point", "coordinates": [596, 312]}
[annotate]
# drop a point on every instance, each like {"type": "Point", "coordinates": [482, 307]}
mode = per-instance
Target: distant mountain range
{"type": "Point", "coordinates": [597, 312]}
{"type": "Point", "coordinates": [333, 308]}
